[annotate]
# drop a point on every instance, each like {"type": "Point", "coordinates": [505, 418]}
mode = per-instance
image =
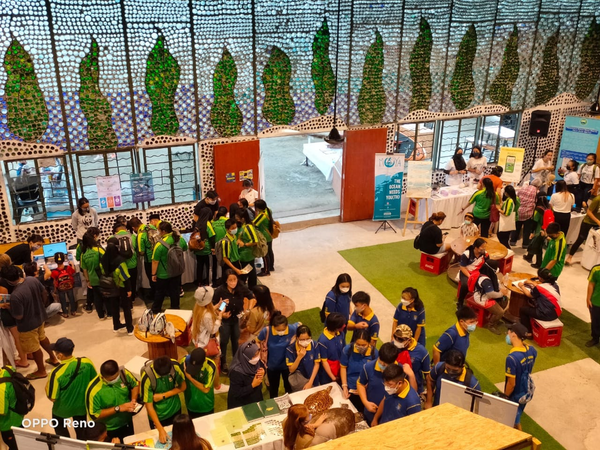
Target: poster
{"type": "Point", "coordinates": [142, 187]}
{"type": "Point", "coordinates": [230, 177]}
{"type": "Point", "coordinates": [580, 137]}
{"type": "Point", "coordinates": [246, 174]}
{"type": "Point", "coordinates": [109, 191]}
{"type": "Point", "coordinates": [418, 182]}
{"type": "Point", "coordinates": [511, 160]}
{"type": "Point", "coordinates": [389, 172]}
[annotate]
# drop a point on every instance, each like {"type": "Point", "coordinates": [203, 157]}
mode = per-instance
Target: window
{"type": "Point", "coordinates": [420, 133]}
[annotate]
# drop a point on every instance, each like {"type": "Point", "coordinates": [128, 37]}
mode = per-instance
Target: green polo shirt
{"type": "Point", "coordinates": [483, 204]}
{"type": "Point", "coordinates": [8, 400]}
{"type": "Point", "coordinates": [69, 396]}
{"type": "Point", "coordinates": [196, 400]}
{"type": "Point", "coordinates": [261, 222]}
{"type": "Point", "coordinates": [594, 207]}
{"type": "Point", "coordinates": [160, 255]}
{"type": "Point", "coordinates": [101, 395]}
{"type": "Point", "coordinates": [231, 250]}
{"type": "Point", "coordinates": [557, 250]}
{"type": "Point", "coordinates": [168, 407]}
{"type": "Point", "coordinates": [219, 227]}
{"type": "Point", "coordinates": [90, 261]}
{"type": "Point", "coordinates": [120, 275]}
{"type": "Point", "coordinates": [207, 249]}
{"type": "Point", "coordinates": [247, 236]}
{"type": "Point", "coordinates": [131, 262]}
{"type": "Point", "coordinates": [594, 278]}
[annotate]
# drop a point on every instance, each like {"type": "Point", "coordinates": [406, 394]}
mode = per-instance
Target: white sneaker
{"type": "Point", "coordinates": [224, 388]}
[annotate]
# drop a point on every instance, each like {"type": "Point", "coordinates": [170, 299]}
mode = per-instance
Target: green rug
{"type": "Point", "coordinates": [390, 273]}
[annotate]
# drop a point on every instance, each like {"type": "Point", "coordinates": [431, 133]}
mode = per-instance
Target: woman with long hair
{"type": "Point", "coordinates": [218, 225]}
{"type": "Point", "coordinates": [261, 311]}
{"type": "Point", "coordinates": [184, 435]}
{"type": "Point", "coordinates": [411, 312]}
{"type": "Point", "coordinates": [83, 218]}
{"type": "Point", "coordinates": [165, 286]}
{"type": "Point", "coordinates": [508, 215]}
{"type": "Point", "coordinates": [206, 321]}
{"type": "Point", "coordinates": [476, 163]}
{"type": "Point", "coordinates": [91, 252]}
{"type": "Point", "coordinates": [299, 433]}
{"type": "Point", "coordinates": [303, 359]}
{"type": "Point", "coordinates": [264, 223]}
{"type": "Point", "coordinates": [112, 264]}
{"type": "Point", "coordinates": [339, 298]}
{"type": "Point", "coordinates": [483, 200]}
{"type": "Point", "coordinates": [562, 202]}
{"type": "Point", "coordinates": [455, 168]}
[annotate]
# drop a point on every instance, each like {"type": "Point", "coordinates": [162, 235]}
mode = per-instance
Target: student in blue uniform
{"type": "Point", "coordinates": [331, 343]}
{"type": "Point", "coordinates": [370, 382]}
{"type": "Point", "coordinates": [338, 298]}
{"type": "Point", "coordinates": [457, 336]}
{"type": "Point", "coordinates": [363, 317]}
{"type": "Point", "coordinates": [278, 336]}
{"type": "Point", "coordinates": [519, 366]}
{"type": "Point", "coordinates": [303, 356]}
{"type": "Point", "coordinates": [354, 357]}
{"type": "Point", "coordinates": [419, 357]}
{"type": "Point", "coordinates": [411, 312]}
{"type": "Point", "coordinates": [453, 369]}
{"type": "Point", "coordinates": [400, 399]}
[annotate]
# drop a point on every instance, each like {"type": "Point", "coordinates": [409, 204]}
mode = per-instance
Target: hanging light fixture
{"type": "Point", "coordinates": [334, 137]}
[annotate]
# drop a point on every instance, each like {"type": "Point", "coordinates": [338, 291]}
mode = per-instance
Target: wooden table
{"type": "Point", "coordinates": [517, 298]}
{"type": "Point", "coordinates": [283, 303]}
{"type": "Point", "coordinates": [443, 427]}
{"type": "Point", "coordinates": [495, 249]}
{"type": "Point", "coordinates": [160, 345]}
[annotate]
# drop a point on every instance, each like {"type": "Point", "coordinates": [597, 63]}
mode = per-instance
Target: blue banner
{"type": "Point", "coordinates": [580, 137]}
{"type": "Point", "coordinates": [142, 187]}
{"type": "Point", "coordinates": [389, 173]}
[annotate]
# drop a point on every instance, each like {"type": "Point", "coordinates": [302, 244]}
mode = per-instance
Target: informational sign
{"type": "Point", "coordinates": [142, 187]}
{"type": "Point", "coordinates": [246, 174]}
{"type": "Point", "coordinates": [418, 182]}
{"type": "Point", "coordinates": [511, 160]}
{"type": "Point", "coordinates": [109, 191]}
{"type": "Point", "coordinates": [389, 173]}
{"type": "Point", "coordinates": [230, 177]}
{"type": "Point", "coordinates": [581, 136]}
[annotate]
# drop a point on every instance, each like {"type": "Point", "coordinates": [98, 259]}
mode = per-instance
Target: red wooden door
{"type": "Point", "coordinates": [232, 161]}
{"type": "Point", "coordinates": [358, 172]}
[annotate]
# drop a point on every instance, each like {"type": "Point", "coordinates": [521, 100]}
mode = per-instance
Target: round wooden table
{"type": "Point", "coordinates": [517, 297]}
{"type": "Point", "coordinates": [495, 249]}
{"type": "Point", "coordinates": [161, 345]}
{"type": "Point", "coordinates": [284, 304]}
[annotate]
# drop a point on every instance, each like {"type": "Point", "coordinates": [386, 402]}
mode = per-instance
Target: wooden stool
{"type": "Point", "coordinates": [160, 345]}
{"type": "Point", "coordinates": [547, 333]}
{"type": "Point", "coordinates": [435, 264]}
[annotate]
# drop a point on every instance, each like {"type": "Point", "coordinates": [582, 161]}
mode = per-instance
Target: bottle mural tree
{"type": "Point", "coordinates": [589, 68]}
{"type": "Point", "coordinates": [27, 113]}
{"type": "Point", "coordinates": [462, 85]}
{"type": "Point", "coordinates": [321, 71]}
{"type": "Point", "coordinates": [225, 114]}
{"type": "Point", "coordinates": [94, 105]}
{"type": "Point", "coordinates": [547, 84]}
{"type": "Point", "coordinates": [420, 74]}
{"type": "Point", "coordinates": [162, 79]}
{"type": "Point", "coordinates": [501, 88]}
{"type": "Point", "coordinates": [278, 108]}
{"type": "Point", "coordinates": [371, 98]}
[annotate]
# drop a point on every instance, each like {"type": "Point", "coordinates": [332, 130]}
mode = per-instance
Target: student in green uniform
{"type": "Point", "coordinates": [113, 264]}
{"type": "Point", "coordinates": [91, 252]}
{"type": "Point", "coordinates": [201, 373]}
{"type": "Point", "coordinates": [165, 286]}
{"type": "Point", "coordinates": [554, 258]}
{"type": "Point", "coordinates": [593, 302]}
{"type": "Point", "coordinates": [111, 398]}
{"type": "Point", "coordinates": [120, 230]}
{"type": "Point", "coordinates": [231, 251]}
{"type": "Point", "coordinates": [66, 386]}
{"type": "Point", "coordinates": [247, 239]}
{"type": "Point", "coordinates": [89, 299]}
{"type": "Point", "coordinates": [483, 200]}
{"type": "Point", "coordinates": [207, 233]}
{"type": "Point", "coordinates": [218, 225]}
{"type": "Point", "coordinates": [264, 223]}
{"type": "Point", "coordinates": [162, 382]}
{"type": "Point", "coordinates": [8, 417]}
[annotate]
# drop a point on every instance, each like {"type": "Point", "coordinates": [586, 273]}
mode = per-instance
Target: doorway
{"type": "Point", "coordinates": [302, 176]}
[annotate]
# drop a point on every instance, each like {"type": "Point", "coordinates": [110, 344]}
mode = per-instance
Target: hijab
{"type": "Point", "coordinates": [241, 360]}
{"type": "Point", "coordinates": [459, 161]}
{"type": "Point", "coordinates": [205, 215]}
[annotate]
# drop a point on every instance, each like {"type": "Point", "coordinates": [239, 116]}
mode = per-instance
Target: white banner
{"type": "Point", "coordinates": [418, 181]}
{"type": "Point", "coordinates": [109, 191]}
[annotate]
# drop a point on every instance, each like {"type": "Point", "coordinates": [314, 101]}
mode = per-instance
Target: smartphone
{"type": "Point", "coordinates": [138, 408]}
{"type": "Point", "coordinates": [510, 164]}
{"type": "Point", "coordinates": [223, 306]}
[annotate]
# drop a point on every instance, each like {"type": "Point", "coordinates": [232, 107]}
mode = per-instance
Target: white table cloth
{"type": "Point", "coordinates": [574, 225]}
{"type": "Point", "coordinates": [323, 157]}
{"type": "Point", "coordinates": [450, 204]}
{"type": "Point", "coordinates": [591, 250]}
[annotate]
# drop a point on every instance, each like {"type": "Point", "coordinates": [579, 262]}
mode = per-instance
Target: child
{"type": "Point", "coordinates": [331, 344]}
{"type": "Point", "coordinates": [363, 316]}
{"type": "Point", "coordinates": [453, 369]}
{"type": "Point", "coordinates": [303, 360]}
{"type": "Point", "coordinates": [411, 312]}
{"type": "Point", "coordinates": [420, 362]}
{"type": "Point", "coordinates": [457, 336]}
{"type": "Point", "coordinates": [64, 283]}
{"type": "Point", "coordinates": [354, 358]}
{"type": "Point", "coordinates": [468, 230]}
{"type": "Point", "coordinates": [400, 399]}
{"type": "Point", "coordinates": [264, 223]}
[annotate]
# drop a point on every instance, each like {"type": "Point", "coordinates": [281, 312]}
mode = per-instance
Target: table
{"type": "Point", "coordinates": [517, 297]}
{"type": "Point", "coordinates": [271, 441]}
{"type": "Point", "coordinates": [495, 249]}
{"type": "Point", "coordinates": [160, 345]}
{"type": "Point", "coordinates": [283, 303]}
{"type": "Point", "coordinates": [445, 426]}
{"type": "Point", "coordinates": [323, 156]}
{"type": "Point", "coordinates": [451, 205]}
{"type": "Point", "coordinates": [502, 133]}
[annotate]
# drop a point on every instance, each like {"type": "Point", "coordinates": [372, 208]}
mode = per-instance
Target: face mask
{"type": "Point", "coordinates": [360, 349]}
{"type": "Point", "coordinates": [359, 310]}
{"type": "Point", "coordinates": [405, 302]}
{"type": "Point", "coordinates": [467, 222]}
{"type": "Point", "coordinates": [476, 155]}
{"type": "Point", "coordinates": [390, 390]}
{"type": "Point", "coordinates": [399, 344]}
{"type": "Point", "coordinates": [36, 247]}
{"type": "Point", "coordinates": [589, 163]}
{"type": "Point", "coordinates": [281, 333]}
{"type": "Point", "coordinates": [507, 339]}
{"type": "Point", "coordinates": [304, 343]}
{"type": "Point", "coordinates": [87, 210]}
{"type": "Point", "coordinates": [382, 367]}
{"type": "Point", "coordinates": [472, 327]}
{"type": "Point", "coordinates": [254, 361]}
{"type": "Point", "coordinates": [344, 290]}
{"type": "Point", "coordinates": [115, 381]}
{"type": "Point", "coordinates": [453, 373]}
{"type": "Point", "coordinates": [233, 232]}
{"type": "Point", "coordinates": [212, 202]}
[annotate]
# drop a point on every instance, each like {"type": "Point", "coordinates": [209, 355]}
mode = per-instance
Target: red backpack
{"type": "Point", "coordinates": [548, 218]}
{"type": "Point", "coordinates": [64, 280]}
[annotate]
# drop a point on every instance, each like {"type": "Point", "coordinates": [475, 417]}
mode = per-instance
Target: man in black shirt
{"type": "Point", "coordinates": [21, 253]}
{"type": "Point", "coordinates": [210, 201]}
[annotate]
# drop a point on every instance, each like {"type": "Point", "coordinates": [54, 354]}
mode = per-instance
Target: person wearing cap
{"type": "Point", "coordinates": [66, 386]}
{"type": "Point", "coordinates": [400, 399]}
{"type": "Point", "coordinates": [206, 322]}
{"type": "Point", "coordinates": [419, 357]}
{"type": "Point", "coordinates": [202, 374]}
{"type": "Point", "coordinates": [363, 317]}
{"type": "Point", "coordinates": [457, 336]}
{"type": "Point", "coordinates": [452, 369]}
{"type": "Point", "coordinates": [63, 283]}
{"type": "Point", "coordinates": [161, 393]}
{"type": "Point", "coordinates": [111, 398]}
{"type": "Point", "coordinates": [468, 230]}
{"type": "Point", "coordinates": [519, 366]}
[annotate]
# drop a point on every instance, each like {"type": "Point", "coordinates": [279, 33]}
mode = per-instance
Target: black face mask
{"type": "Point", "coordinates": [454, 374]}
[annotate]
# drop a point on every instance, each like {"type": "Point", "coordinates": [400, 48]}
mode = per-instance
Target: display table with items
{"type": "Point", "coordinates": [257, 425]}
{"type": "Point", "coordinates": [495, 249]}
{"type": "Point", "coordinates": [450, 200]}
{"type": "Point", "coordinates": [158, 344]}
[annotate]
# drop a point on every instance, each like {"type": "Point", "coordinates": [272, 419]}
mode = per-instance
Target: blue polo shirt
{"type": "Point", "coordinates": [307, 364]}
{"type": "Point", "coordinates": [277, 345]}
{"type": "Point", "coordinates": [519, 364]}
{"type": "Point", "coordinates": [330, 347]}
{"type": "Point", "coordinates": [354, 362]}
{"type": "Point", "coordinates": [401, 404]}
{"type": "Point", "coordinates": [454, 337]}
{"type": "Point", "coordinates": [371, 320]}
{"type": "Point", "coordinates": [439, 373]}
{"type": "Point", "coordinates": [371, 376]}
{"type": "Point", "coordinates": [413, 318]}
{"type": "Point", "coordinates": [338, 303]}
{"type": "Point", "coordinates": [421, 363]}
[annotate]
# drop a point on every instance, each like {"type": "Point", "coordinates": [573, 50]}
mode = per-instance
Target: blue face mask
{"type": "Point", "coordinates": [381, 366]}
{"type": "Point", "coordinates": [472, 327]}
{"type": "Point", "coordinates": [508, 341]}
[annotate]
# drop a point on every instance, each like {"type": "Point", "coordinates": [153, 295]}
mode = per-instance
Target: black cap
{"type": "Point", "coordinates": [195, 361]}
{"type": "Point", "coordinates": [154, 216]}
{"type": "Point", "coordinates": [520, 330]}
{"type": "Point", "coordinates": [63, 345]}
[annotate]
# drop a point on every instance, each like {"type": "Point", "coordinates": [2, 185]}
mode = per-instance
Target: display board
{"type": "Point", "coordinates": [34, 440]}
{"type": "Point", "coordinates": [418, 181]}
{"type": "Point", "coordinates": [389, 172]}
{"type": "Point", "coordinates": [109, 191]}
{"type": "Point", "coordinates": [511, 161]}
{"type": "Point", "coordinates": [581, 135]}
{"type": "Point", "coordinates": [142, 187]}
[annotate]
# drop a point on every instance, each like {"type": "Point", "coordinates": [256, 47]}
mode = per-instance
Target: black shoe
{"type": "Point", "coordinates": [528, 258]}
{"type": "Point", "coordinates": [264, 274]}
{"type": "Point", "coordinates": [512, 244]}
{"type": "Point", "coordinates": [224, 369]}
{"type": "Point", "coordinates": [536, 266]}
{"type": "Point", "coordinates": [591, 343]}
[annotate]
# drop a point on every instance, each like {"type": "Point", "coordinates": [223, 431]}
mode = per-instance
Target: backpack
{"type": "Point", "coordinates": [24, 391]}
{"type": "Point", "coordinates": [125, 247]}
{"type": "Point", "coordinates": [196, 243]}
{"type": "Point", "coordinates": [145, 321]}
{"type": "Point", "coordinates": [158, 325]}
{"type": "Point", "coordinates": [468, 375]}
{"type": "Point", "coordinates": [219, 251]}
{"type": "Point", "coordinates": [261, 248]}
{"type": "Point", "coordinates": [147, 369]}
{"type": "Point", "coordinates": [153, 236]}
{"type": "Point", "coordinates": [169, 331]}
{"type": "Point", "coordinates": [64, 281]}
{"type": "Point", "coordinates": [108, 287]}
{"type": "Point", "coordinates": [276, 229]}
{"type": "Point", "coordinates": [175, 262]}
{"type": "Point", "coordinates": [526, 380]}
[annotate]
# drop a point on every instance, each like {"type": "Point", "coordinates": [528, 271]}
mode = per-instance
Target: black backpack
{"type": "Point", "coordinates": [125, 247]}
{"type": "Point", "coordinates": [108, 287]}
{"type": "Point", "coordinates": [24, 391]}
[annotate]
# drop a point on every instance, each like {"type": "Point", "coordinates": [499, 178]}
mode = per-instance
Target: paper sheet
{"type": "Point", "coordinates": [246, 270]}
{"type": "Point", "coordinates": [220, 436]}
{"type": "Point", "coordinates": [234, 420]}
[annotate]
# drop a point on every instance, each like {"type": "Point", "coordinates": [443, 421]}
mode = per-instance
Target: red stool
{"type": "Point", "coordinates": [435, 264]}
{"type": "Point", "coordinates": [483, 316]}
{"type": "Point", "coordinates": [547, 333]}
{"type": "Point", "coordinates": [505, 265]}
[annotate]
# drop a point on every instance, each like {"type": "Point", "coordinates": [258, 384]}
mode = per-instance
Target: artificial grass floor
{"type": "Point", "coordinates": [390, 268]}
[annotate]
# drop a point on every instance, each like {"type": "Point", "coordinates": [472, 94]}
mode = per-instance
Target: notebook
{"type": "Point", "coordinates": [252, 412]}
{"type": "Point", "coordinates": [269, 407]}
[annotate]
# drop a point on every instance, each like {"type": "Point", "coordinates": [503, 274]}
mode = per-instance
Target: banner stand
{"type": "Point", "coordinates": [413, 210]}
{"type": "Point", "coordinates": [385, 225]}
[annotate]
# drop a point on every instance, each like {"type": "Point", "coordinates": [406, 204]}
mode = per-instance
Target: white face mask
{"type": "Point", "coordinates": [115, 381]}
{"type": "Point", "coordinates": [391, 391]}
{"type": "Point", "coordinates": [233, 232]}
{"type": "Point", "coordinates": [399, 344]}
{"type": "Point", "coordinates": [344, 290]}
{"type": "Point", "coordinates": [304, 343]}
{"type": "Point", "coordinates": [281, 333]}
{"type": "Point", "coordinates": [254, 361]}
{"type": "Point", "coordinates": [359, 310]}
{"type": "Point", "coordinates": [405, 302]}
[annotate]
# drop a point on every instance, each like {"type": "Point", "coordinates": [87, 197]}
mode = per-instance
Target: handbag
{"type": "Point", "coordinates": [212, 348]}
{"type": "Point", "coordinates": [297, 380]}
{"type": "Point", "coordinates": [196, 242]}
{"type": "Point", "coordinates": [507, 223]}
{"type": "Point", "coordinates": [494, 214]}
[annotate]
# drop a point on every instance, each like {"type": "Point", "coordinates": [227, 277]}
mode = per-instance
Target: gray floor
{"type": "Point", "coordinates": [291, 188]}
